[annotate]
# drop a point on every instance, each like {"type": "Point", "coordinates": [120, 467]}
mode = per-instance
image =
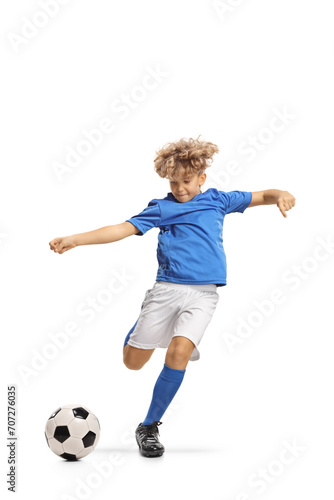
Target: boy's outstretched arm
{"type": "Point", "coordinates": [107, 234]}
{"type": "Point", "coordinates": [283, 199]}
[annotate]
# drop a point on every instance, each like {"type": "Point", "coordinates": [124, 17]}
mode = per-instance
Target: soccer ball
{"type": "Point", "coordinates": [72, 432]}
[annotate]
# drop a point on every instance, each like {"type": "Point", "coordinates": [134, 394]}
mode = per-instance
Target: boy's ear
{"type": "Point", "coordinates": [202, 178]}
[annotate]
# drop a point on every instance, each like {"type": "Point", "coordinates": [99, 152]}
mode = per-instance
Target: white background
{"type": "Point", "coordinates": [225, 75]}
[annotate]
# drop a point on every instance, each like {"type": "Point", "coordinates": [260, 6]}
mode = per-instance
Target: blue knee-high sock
{"type": "Point", "coordinates": [164, 390]}
{"type": "Point", "coordinates": [128, 335]}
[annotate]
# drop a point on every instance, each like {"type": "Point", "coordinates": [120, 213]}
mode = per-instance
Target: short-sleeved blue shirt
{"type": "Point", "coordinates": [190, 242]}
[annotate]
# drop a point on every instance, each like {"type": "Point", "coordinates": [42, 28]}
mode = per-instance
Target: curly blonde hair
{"type": "Point", "coordinates": [193, 156]}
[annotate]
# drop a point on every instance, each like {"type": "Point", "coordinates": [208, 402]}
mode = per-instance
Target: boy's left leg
{"type": "Point", "coordinates": [170, 378]}
{"type": "Point", "coordinates": [179, 352]}
{"type": "Point", "coordinates": [166, 386]}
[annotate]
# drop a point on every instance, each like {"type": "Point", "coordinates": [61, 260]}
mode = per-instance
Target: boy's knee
{"type": "Point", "coordinates": [179, 354]}
{"type": "Point", "coordinates": [129, 361]}
{"type": "Point", "coordinates": [135, 358]}
{"type": "Point", "coordinates": [132, 366]}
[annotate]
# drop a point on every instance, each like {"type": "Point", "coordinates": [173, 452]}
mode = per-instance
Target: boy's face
{"type": "Point", "coordinates": [185, 187]}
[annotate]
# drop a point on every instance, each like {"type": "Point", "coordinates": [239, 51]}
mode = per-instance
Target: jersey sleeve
{"type": "Point", "coordinates": [148, 218]}
{"type": "Point", "coordinates": [236, 201]}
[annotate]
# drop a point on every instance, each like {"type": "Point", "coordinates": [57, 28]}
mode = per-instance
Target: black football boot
{"type": "Point", "coordinates": [148, 441]}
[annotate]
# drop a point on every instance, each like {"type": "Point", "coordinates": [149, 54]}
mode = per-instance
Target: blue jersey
{"type": "Point", "coordinates": [190, 242]}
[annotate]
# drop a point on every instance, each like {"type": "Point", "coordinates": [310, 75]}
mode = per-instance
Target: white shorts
{"type": "Point", "coordinates": [172, 310]}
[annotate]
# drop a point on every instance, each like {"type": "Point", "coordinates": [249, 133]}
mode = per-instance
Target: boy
{"type": "Point", "coordinates": [192, 264]}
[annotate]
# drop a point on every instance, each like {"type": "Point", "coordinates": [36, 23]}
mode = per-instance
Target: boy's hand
{"type": "Point", "coordinates": [285, 202]}
{"type": "Point", "coordinates": [61, 245]}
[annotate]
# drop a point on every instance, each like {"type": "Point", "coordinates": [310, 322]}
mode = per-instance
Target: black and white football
{"type": "Point", "coordinates": [72, 432]}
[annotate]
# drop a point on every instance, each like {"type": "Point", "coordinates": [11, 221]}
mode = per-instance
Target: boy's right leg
{"type": "Point", "coordinates": [135, 358]}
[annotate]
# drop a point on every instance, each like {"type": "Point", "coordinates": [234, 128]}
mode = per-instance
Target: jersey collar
{"type": "Point", "coordinates": [172, 197]}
